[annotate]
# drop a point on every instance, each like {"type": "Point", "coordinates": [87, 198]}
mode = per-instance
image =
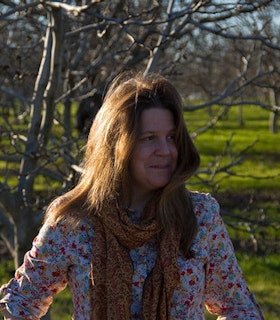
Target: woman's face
{"type": "Point", "coordinates": [154, 157]}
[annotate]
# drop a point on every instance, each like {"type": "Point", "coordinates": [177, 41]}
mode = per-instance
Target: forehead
{"type": "Point", "coordinates": [155, 119]}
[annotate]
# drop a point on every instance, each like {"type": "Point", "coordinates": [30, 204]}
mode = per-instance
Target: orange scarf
{"type": "Point", "coordinates": [112, 270]}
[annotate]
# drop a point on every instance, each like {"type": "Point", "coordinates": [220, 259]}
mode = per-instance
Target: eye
{"type": "Point", "coordinates": [148, 138]}
{"type": "Point", "coordinates": [171, 137]}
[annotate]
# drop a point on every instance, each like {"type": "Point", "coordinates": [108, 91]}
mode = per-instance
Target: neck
{"type": "Point", "coordinates": [138, 202]}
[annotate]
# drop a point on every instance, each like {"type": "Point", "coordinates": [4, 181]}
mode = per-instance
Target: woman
{"type": "Point", "coordinates": [129, 239]}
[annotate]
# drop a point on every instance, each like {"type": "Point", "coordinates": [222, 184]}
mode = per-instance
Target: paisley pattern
{"type": "Point", "coordinates": [61, 256]}
{"type": "Point", "coordinates": [115, 234]}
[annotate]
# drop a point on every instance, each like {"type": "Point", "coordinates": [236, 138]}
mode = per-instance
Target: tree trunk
{"type": "Point", "coordinates": [273, 127]}
{"type": "Point", "coordinates": [273, 116]}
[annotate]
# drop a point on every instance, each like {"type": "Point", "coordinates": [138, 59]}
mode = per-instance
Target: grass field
{"type": "Point", "coordinates": [249, 188]}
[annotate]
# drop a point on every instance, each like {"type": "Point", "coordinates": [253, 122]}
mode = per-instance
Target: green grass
{"type": "Point", "coordinates": [263, 275]}
{"type": "Point", "coordinates": [62, 306]}
{"type": "Point", "coordinates": [6, 270]}
{"type": "Point", "coordinates": [255, 148]}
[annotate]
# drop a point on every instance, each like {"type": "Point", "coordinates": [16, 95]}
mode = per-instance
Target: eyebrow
{"type": "Point", "coordinates": [149, 131]}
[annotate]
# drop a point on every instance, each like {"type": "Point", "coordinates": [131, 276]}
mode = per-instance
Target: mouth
{"type": "Point", "coordinates": [160, 166]}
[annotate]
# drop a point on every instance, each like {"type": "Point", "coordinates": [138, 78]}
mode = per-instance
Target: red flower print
{"type": "Point", "coordinates": [55, 274]}
{"type": "Point", "coordinates": [230, 285]}
{"type": "Point", "coordinates": [191, 282]}
{"type": "Point", "coordinates": [187, 303]}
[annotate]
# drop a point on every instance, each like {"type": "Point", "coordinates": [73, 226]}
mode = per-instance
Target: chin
{"type": "Point", "coordinates": [160, 185]}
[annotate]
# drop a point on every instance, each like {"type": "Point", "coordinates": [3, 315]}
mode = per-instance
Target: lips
{"type": "Point", "coordinates": [160, 166]}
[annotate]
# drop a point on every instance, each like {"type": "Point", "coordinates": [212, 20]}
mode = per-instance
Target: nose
{"type": "Point", "coordinates": [163, 147]}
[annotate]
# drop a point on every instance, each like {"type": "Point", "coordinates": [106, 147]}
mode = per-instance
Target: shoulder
{"type": "Point", "coordinates": [212, 233]}
{"type": "Point", "coordinates": [205, 206]}
{"type": "Point", "coordinates": [66, 230]}
{"type": "Point", "coordinates": [60, 242]}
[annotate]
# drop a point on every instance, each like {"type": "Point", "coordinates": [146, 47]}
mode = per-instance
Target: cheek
{"type": "Point", "coordinates": [140, 154]}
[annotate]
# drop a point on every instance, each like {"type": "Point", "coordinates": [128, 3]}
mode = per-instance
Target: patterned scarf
{"type": "Point", "coordinates": [112, 269]}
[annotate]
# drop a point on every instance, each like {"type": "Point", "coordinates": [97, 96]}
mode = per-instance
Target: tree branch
{"type": "Point", "coordinates": [75, 10]}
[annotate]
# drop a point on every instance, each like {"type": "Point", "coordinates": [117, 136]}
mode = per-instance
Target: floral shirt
{"type": "Point", "coordinates": [61, 256]}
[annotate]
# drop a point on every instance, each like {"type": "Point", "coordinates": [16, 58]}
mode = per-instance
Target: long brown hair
{"type": "Point", "coordinates": [108, 151]}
